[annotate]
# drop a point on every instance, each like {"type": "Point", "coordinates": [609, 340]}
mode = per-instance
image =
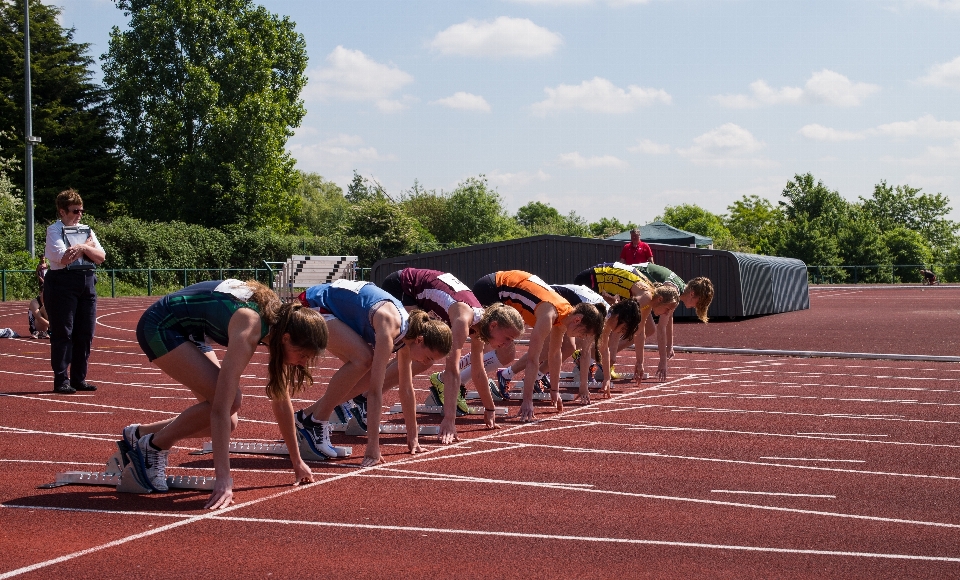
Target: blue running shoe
{"type": "Point", "coordinates": [344, 411]}
{"type": "Point", "coordinates": [542, 384]}
{"type": "Point", "coordinates": [360, 411]}
{"type": "Point", "coordinates": [315, 434]}
{"type": "Point", "coordinates": [149, 464]}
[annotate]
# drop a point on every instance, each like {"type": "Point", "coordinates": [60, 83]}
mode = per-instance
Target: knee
{"type": "Point", "coordinates": [506, 354]}
{"type": "Point", "coordinates": [364, 361]}
{"type": "Point", "coordinates": [234, 421]}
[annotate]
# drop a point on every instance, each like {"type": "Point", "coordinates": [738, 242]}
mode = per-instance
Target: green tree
{"type": "Point", "coordinates": [325, 210]}
{"type": "Point", "coordinates": [206, 94]}
{"type": "Point", "coordinates": [537, 215]}
{"type": "Point", "coordinates": [695, 219]}
{"type": "Point", "coordinates": [907, 247]}
{"type": "Point", "coordinates": [474, 215]}
{"type": "Point", "coordinates": [904, 206]}
{"type": "Point", "coordinates": [753, 220]}
{"type": "Point", "coordinates": [861, 243]}
{"type": "Point", "coordinates": [386, 230]}
{"type": "Point", "coordinates": [69, 113]}
{"type": "Point", "coordinates": [606, 227]}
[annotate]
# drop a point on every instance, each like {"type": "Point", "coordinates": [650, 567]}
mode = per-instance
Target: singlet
{"type": "Point", "coordinates": [205, 309]}
{"type": "Point", "coordinates": [524, 292]}
{"type": "Point", "coordinates": [578, 294]}
{"type": "Point", "coordinates": [613, 278]}
{"type": "Point", "coordinates": [353, 302]}
{"type": "Point", "coordinates": [660, 275]}
{"type": "Point", "coordinates": [436, 292]}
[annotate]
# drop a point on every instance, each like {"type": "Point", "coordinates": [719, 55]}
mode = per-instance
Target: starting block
{"type": "Point", "coordinates": [620, 376]}
{"type": "Point", "coordinates": [430, 408]}
{"type": "Point", "coordinates": [354, 429]}
{"type": "Point", "coordinates": [518, 396]}
{"type": "Point", "coordinates": [118, 473]}
{"type": "Point", "coordinates": [257, 448]}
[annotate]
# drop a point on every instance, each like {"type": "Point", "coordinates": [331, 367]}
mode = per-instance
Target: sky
{"type": "Point", "coordinates": [618, 108]}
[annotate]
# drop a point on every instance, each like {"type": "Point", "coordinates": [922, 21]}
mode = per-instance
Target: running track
{"type": "Point", "coordinates": [737, 467]}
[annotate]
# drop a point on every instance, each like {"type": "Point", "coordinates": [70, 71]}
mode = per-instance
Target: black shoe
{"type": "Point", "coordinates": [84, 386]}
{"type": "Point", "coordinates": [64, 388]}
{"type": "Point", "coordinates": [360, 411]}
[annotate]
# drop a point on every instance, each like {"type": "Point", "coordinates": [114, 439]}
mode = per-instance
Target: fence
{"type": "Point", "coordinates": [879, 273]}
{"type": "Point", "coordinates": [21, 284]}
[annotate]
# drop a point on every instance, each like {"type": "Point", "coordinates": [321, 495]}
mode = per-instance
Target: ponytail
{"type": "Point", "coordinates": [435, 332]}
{"type": "Point", "coordinates": [703, 288]}
{"type": "Point", "coordinates": [307, 331]}
{"type": "Point", "coordinates": [591, 319]}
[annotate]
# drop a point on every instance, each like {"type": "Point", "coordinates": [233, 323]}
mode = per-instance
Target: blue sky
{"type": "Point", "coordinates": [618, 108]}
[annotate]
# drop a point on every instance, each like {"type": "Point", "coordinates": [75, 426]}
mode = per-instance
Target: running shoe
{"type": "Point", "coordinates": [576, 359]}
{"type": "Point", "coordinates": [500, 389]}
{"type": "Point", "coordinates": [316, 434]}
{"type": "Point", "coordinates": [542, 384]}
{"type": "Point", "coordinates": [436, 387]}
{"type": "Point", "coordinates": [149, 464]}
{"type": "Point", "coordinates": [614, 375]}
{"type": "Point", "coordinates": [130, 435]}
{"type": "Point", "coordinates": [359, 411]}
{"type": "Point", "coordinates": [344, 411]}
{"type": "Point", "coordinates": [84, 386]}
{"type": "Point", "coordinates": [595, 374]}
{"type": "Point", "coordinates": [64, 388]}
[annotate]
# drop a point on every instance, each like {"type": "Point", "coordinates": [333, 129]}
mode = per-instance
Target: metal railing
{"type": "Point", "coordinates": [878, 273]}
{"type": "Point", "coordinates": [21, 284]}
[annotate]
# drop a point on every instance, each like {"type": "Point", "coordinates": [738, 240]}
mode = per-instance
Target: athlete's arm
{"type": "Point", "coordinates": [546, 315]}
{"type": "Point", "coordinates": [244, 334]}
{"type": "Point", "coordinates": [386, 325]}
{"type": "Point", "coordinates": [283, 412]}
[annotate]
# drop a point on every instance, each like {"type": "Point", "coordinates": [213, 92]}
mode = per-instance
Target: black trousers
{"type": "Point", "coordinates": [70, 297]}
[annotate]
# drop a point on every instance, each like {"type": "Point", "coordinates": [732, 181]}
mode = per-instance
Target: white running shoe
{"type": "Point", "coordinates": [154, 463]}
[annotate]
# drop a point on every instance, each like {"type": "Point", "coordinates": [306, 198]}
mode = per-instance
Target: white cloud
{"type": "Point", "coordinates": [820, 133]}
{"type": "Point", "coordinates": [946, 5]}
{"type": "Point", "coordinates": [926, 126]}
{"type": "Point", "coordinates": [501, 37]}
{"type": "Point", "coordinates": [949, 154]}
{"type": "Point", "coordinates": [598, 95]}
{"type": "Point", "coordinates": [825, 87]}
{"type": "Point", "coordinates": [464, 101]}
{"type": "Point", "coordinates": [728, 145]}
{"type": "Point", "coordinates": [943, 75]}
{"type": "Point", "coordinates": [648, 147]}
{"type": "Point", "coordinates": [351, 75]}
{"type": "Point", "coordinates": [499, 178]}
{"type": "Point", "coordinates": [578, 161]}
{"type": "Point", "coordinates": [340, 153]}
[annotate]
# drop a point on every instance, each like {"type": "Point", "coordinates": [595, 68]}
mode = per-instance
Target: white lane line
{"type": "Point", "coordinates": [99, 318]}
{"type": "Point", "coordinates": [454, 531]}
{"type": "Point", "coordinates": [49, 462]}
{"type": "Point", "coordinates": [776, 493]}
{"type": "Point", "coordinates": [846, 434]}
{"type": "Point", "coordinates": [84, 412]}
{"type": "Point", "coordinates": [814, 459]}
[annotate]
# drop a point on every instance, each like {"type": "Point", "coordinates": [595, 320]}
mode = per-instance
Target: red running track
{"type": "Point", "coordinates": [736, 467]}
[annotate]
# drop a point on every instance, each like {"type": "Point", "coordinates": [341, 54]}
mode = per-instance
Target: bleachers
{"type": "Point", "coordinates": [305, 271]}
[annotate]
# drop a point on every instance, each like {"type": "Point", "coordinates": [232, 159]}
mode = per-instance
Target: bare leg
{"type": "Point", "coordinates": [154, 427]}
{"type": "Point", "coordinates": [357, 355]}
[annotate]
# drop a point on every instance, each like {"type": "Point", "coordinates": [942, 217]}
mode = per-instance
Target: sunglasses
{"type": "Point", "coordinates": [75, 211]}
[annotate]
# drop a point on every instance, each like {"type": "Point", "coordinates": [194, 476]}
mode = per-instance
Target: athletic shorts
{"type": "Point", "coordinates": [485, 289]}
{"type": "Point", "coordinates": [392, 285]}
{"type": "Point", "coordinates": [157, 337]}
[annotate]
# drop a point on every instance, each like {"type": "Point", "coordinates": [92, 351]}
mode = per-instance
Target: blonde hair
{"type": "Point", "coordinates": [667, 292]}
{"type": "Point", "coordinates": [703, 288]}
{"type": "Point", "coordinates": [435, 332]}
{"type": "Point", "coordinates": [503, 315]}
{"type": "Point", "coordinates": [307, 331]}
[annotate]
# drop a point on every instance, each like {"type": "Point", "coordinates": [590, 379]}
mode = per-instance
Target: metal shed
{"type": "Point", "coordinates": [745, 284]}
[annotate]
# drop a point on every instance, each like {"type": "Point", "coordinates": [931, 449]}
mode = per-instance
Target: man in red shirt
{"type": "Point", "coordinates": [636, 252]}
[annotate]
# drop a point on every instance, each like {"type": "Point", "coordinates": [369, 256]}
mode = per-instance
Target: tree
{"type": "Point", "coordinates": [205, 94]}
{"type": "Point", "coordinates": [386, 229]}
{"type": "Point", "coordinates": [325, 210]}
{"type": "Point", "coordinates": [861, 243]}
{"type": "Point", "coordinates": [752, 220]}
{"type": "Point", "coordinates": [474, 215]}
{"type": "Point", "coordinates": [69, 111]}
{"type": "Point", "coordinates": [606, 227]}
{"type": "Point", "coordinates": [907, 247]}
{"type": "Point", "coordinates": [904, 206]}
{"type": "Point", "coordinates": [814, 202]}
{"type": "Point", "coordinates": [695, 219]}
{"type": "Point", "coordinates": [537, 215]}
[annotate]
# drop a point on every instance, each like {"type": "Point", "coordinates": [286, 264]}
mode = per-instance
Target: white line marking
{"type": "Point", "coordinates": [845, 434]}
{"type": "Point", "coordinates": [772, 493]}
{"type": "Point", "coordinates": [814, 459]}
{"type": "Point", "coordinates": [84, 412]}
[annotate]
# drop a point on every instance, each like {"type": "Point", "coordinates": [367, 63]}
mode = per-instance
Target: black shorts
{"type": "Point", "coordinates": [157, 337]}
{"type": "Point", "coordinates": [485, 289]}
{"type": "Point", "coordinates": [393, 287]}
{"type": "Point", "coordinates": [587, 278]}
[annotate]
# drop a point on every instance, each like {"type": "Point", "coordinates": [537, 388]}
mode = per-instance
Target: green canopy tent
{"type": "Point", "coordinates": [661, 233]}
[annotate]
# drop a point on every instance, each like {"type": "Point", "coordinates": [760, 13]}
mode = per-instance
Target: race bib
{"type": "Point", "coordinates": [352, 285]}
{"type": "Point", "coordinates": [453, 282]}
{"type": "Point", "coordinates": [536, 280]}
